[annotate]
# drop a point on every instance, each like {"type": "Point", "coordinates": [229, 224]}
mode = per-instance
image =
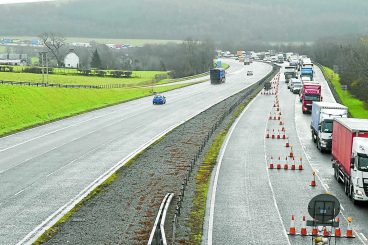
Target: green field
{"type": "Point", "coordinates": [356, 106]}
{"type": "Point", "coordinates": [138, 78]}
{"type": "Point", "coordinates": [23, 107]}
{"type": "Point", "coordinates": [134, 42]}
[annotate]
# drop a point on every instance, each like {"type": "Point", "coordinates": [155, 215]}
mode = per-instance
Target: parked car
{"type": "Point", "coordinates": [249, 73]}
{"type": "Point", "coordinates": [159, 99]}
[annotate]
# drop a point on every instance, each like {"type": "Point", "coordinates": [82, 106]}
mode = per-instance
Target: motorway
{"type": "Point", "coordinates": [251, 204]}
{"type": "Point", "coordinates": [47, 169]}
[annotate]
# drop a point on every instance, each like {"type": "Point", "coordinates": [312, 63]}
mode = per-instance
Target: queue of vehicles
{"type": "Point", "coordinates": [332, 131]}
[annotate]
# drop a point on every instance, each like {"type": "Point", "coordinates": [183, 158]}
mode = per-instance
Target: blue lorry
{"type": "Point", "coordinates": [217, 75]}
{"type": "Point", "coordinates": [306, 72]}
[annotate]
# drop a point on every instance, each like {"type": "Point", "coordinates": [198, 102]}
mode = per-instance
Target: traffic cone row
{"type": "Point", "coordinates": [286, 166]}
{"type": "Point", "coordinates": [326, 232]}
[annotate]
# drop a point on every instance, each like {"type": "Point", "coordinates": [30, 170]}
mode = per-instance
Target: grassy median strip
{"type": "Point", "coordinates": [203, 180]}
{"type": "Point", "coordinates": [356, 106]}
{"type": "Point", "coordinates": [24, 107]}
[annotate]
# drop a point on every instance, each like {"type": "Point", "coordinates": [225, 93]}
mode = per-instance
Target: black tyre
{"type": "Point", "coordinates": [346, 187]}
{"type": "Point", "coordinates": [336, 175]}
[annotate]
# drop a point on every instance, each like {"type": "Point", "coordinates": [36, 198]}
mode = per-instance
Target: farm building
{"type": "Point", "coordinates": [71, 60]}
{"type": "Point", "coordinates": [13, 59]}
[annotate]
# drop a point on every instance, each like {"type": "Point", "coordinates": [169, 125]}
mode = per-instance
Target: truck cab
{"type": "Point", "coordinates": [323, 114]}
{"type": "Point", "coordinates": [309, 93]}
{"type": "Point", "coordinates": [358, 186]}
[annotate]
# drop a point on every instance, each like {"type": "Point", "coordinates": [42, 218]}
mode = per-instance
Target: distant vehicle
{"type": "Point", "coordinates": [350, 156]}
{"type": "Point", "coordinates": [306, 72]}
{"type": "Point", "coordinates": [289, 73]}
{"type": "Point", "coordinates": [159, 99]}
{"type": "Point", "coordinates": [323, 114]}
{"type": "Point", "coordinates": [273, 59]}
{"type": "Point", "coordinates": [305, 79]}
{"type": "Point", "coordinates": [217, 75]}
{"type": "Point", "coordinates": [295, 86]}
{"type": "Point", "coordinates": [309, 92]}
{"type": "Point", "coordinates": [246, 61]}
{"type": "Point", "coordinates": [280, 58]}
{"type": "Point", "coordinates": [249, 73]}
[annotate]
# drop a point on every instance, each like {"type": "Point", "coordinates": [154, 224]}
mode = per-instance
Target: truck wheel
{"type": "Point", "coordinates": [313, 138]}
{"type": "Point", "coordinates": [336, 174]}
{"type": "Point", "coordinates": [346, 187]}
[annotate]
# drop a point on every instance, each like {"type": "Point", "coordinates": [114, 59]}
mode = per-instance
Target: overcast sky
{"type": "Point", "coordinates": [22, 1]}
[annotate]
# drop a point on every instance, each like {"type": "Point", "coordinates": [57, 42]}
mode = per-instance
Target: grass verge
{"type": "Point", "coordinates": [356, 106]}
{"type": "Point", "coordinates": [25, 107]}
{"type": "Point", "coordinates": [203, 177]}
{"type": "Point", "coordinates": [70, 76]}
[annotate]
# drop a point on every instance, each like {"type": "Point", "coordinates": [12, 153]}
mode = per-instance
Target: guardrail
{"type": "Point", "coordinates": [158, 236]}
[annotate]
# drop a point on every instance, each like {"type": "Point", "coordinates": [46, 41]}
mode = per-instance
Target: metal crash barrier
{"type": "Point", "coordinates": [158, 236]}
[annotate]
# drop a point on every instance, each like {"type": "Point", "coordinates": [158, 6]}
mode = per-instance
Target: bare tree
{"type": "Point", "coordinates": [53, 43]}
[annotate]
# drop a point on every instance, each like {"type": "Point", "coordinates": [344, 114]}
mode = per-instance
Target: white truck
{"type": "Point", "coordinates": [323, 114]}
{"type": "Point", "coordinates": [350, 156]}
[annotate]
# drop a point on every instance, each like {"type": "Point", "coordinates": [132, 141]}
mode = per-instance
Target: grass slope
{"type": "Point", "coordinates": [356, 106]}
{"type": "Point", "coordinates": [23, 107]}
{"type": "Point", "coordinates": [138, 78]}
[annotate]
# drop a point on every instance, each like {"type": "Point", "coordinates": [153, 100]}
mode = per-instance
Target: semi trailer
{"type": "Point", "coordinates": [350, 156]}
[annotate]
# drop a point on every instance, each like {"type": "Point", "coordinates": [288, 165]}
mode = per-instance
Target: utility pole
{"type": "Point", "coordinates": [44, 62]}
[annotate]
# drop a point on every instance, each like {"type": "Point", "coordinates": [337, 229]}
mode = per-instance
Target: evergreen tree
{"type": "Point", "coordinates": [96, 60]}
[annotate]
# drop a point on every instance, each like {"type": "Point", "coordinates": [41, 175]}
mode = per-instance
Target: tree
{"type": "Point", "coordinates": [96, 60]}
{"type": "Point", "coordinates": [53, 43]}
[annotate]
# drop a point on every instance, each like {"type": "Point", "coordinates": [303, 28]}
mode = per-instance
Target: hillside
{"type": "Point", "coordinates": [268, 20]}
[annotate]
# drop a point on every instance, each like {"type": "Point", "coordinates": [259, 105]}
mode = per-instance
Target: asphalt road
{"type": "Point", "coordinates": [253, 204]}
{"type": "Point", "coordinates": [46, 168]}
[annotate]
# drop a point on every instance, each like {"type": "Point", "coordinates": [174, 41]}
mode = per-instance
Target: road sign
{"type": "Point", "coordinates": [324, 208]}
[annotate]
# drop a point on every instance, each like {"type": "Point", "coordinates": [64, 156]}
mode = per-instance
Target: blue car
{"type": "Point", "coordinates": [159, 100]}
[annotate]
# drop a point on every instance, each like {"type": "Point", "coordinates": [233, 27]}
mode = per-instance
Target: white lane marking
{"type": "Point", "coordinates": [270, 184]}
{"type": "Point", "coordinates": [16, 194]}
{"type": "Point", "coordinates": [363, 236]}
{"type": "Point", "coordinates": [311, 165]}
{"type": "Point", "coordinates": [342, 208]}
{"type": "Point", "coordinates": [219, 162]}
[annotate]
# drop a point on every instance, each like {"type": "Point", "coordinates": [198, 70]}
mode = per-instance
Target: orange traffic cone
{"type": "Point", "coordinates": [337, 229]}
{"type": "Point", "coordinates": [303, 230]}
{"type": "Point", "coordinates": [286, 166]}
{"type": "Point", "coordinates": [293, 165]}
{"type": "Point", "coordinates": [273, 134]}
{"type": "Point", "coordinates": [278, 135]}
{"type": "Point", "coordinates": [284, 136]}
{"type": "Point", "coordinates": [313, 183]}
{"type": "Point", "coordinates": [292, 226]}
{"type": "Point", "coordinates": [291, 152]}
{"type": "Point", "coordinates": [314, 231]}
{"type": "Point", "coordinates": [349, 231]}
{"type": "Point", "coordinates": [271, 163]}
{"type": "Point", "coordinates": [287, 143]}
{"type": "Point", "coordinates": [301, 164]}
{"type": "Point", "coordinates": [326, 232]}
{"type": "Point", "coordinates": [279, 164]}
{"type": "Point", "coordinates": [268, 134]}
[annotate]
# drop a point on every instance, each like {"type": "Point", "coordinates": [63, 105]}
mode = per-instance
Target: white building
{"type": "Point", "coordinates": [71, 60]}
